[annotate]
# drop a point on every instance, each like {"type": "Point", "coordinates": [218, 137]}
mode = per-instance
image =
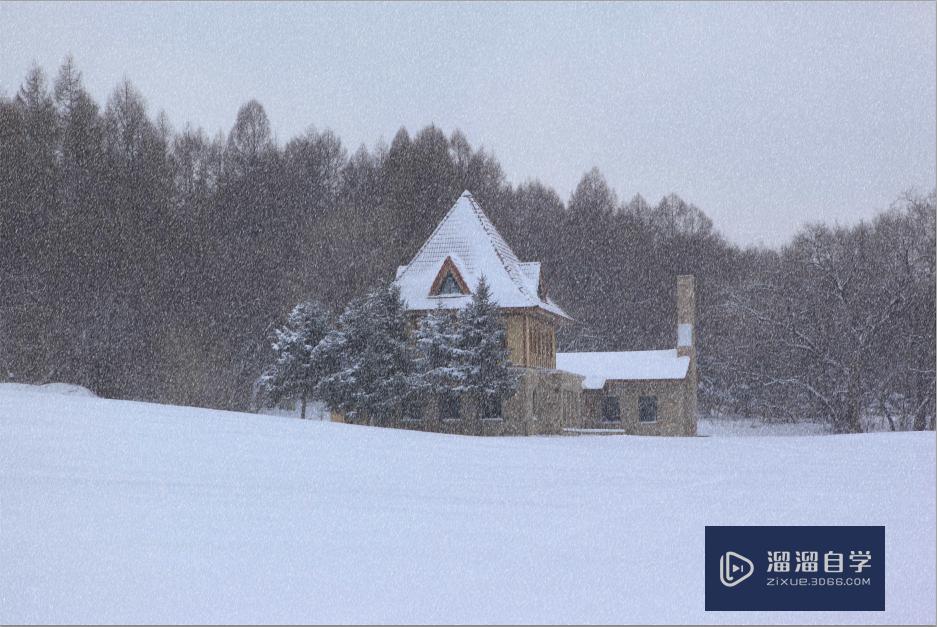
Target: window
{"type": "Point", "coordinates": [611, 409]}
{"type": "Point", "coordinates": [450, 406]}
{"type": "Point", "coordinates": [449, 285]}
{"type": "Point", "coordinates": [493, 407]}
{"type": "Point", "coordinates": [647, 408]}
{"type": "Point", "coordinates": [448, 281]}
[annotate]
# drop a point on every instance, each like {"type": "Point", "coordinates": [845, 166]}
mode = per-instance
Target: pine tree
{"type": "Point", "coordinates": [439, 367]}
{"type": "Point", "coordinates": [488, 376]}
{"type": "Point", "coordinates": [299, 367]}
{"type": "Point", "coordinates": [374, 358]}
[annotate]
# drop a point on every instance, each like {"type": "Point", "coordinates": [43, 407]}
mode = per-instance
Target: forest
{"type": "Point", "coordinates": [149, 262]}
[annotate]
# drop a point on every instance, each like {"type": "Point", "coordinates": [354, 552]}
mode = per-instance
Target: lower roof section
{"type": "Point", "coordinates": [597, 368]}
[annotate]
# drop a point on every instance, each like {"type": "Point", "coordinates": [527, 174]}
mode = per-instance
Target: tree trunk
{"type": "Point", "coordinates": [853, 407]}
{"type": "Point", "coordinates": [891, 421]}
{"type": "Point", "coordinates": [846, 416]}
{"type": "Point", "coordinates": [302, 405]}
{"type": "Point", "coordinates": [854, 425]}
{"type": "Point", "coordinates": [920, 415]}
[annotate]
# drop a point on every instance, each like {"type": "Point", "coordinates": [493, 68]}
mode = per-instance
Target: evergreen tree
{"type": "Point", "coordinates": [488, 376]}
{"type": "Point", "coordinates": [439, 362]}
{"type": "Point", "coordinates": [298, 367]}
{"type": "Point", "coordinates": [375, 359]}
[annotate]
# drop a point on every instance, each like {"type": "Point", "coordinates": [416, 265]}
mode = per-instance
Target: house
{"type": "Point", "coordinates": [643, 392]}
{"type": "Point", "coordinates": [464, 247]}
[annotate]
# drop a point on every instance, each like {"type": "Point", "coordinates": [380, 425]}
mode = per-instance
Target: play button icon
{"type": "Point", "coordinates": [734, 568]}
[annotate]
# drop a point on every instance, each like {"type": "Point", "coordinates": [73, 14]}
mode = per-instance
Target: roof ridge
{"type": "Point", "coordinates": [511, 266]}
{"type": "Point", "coordinates": [429, 239]}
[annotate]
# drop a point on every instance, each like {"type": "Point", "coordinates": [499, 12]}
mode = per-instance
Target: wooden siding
{"type": "Point", "coordinates": [531, 340]}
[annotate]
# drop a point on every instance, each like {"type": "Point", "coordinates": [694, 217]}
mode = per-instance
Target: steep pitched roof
{"type": "Point", "coordinates": [531, 270]}
{"type": "Point", "coordinates": [597, 368]}
{"type": "Point", "coordinates": [470, 240]}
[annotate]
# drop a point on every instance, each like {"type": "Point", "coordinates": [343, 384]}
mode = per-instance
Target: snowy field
{"type": "Point", "coordinates": [117, 511]}
{"type": "Point", "coordinates": [746, 427]}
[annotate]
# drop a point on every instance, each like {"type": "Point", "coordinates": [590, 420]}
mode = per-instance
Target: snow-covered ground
{"type": "Point", "coordinates": [119, 511]}
{"type": "Point", "coordinates": [48, 388]}
{"type": "Point", "coordinates": [736, 426]}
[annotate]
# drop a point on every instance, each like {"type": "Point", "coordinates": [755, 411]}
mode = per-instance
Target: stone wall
{"type": "Point", "coordinates": [548, 401]}
{"type": "Point", "coordinates": [675, 407]}
{"type": "Point", "coordinates": [545, 401]}
{"type": "Point", "coordinates": [543, 404]}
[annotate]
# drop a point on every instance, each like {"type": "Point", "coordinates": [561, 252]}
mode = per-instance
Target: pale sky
{"type": "Point", "coordinates": [764, 115]}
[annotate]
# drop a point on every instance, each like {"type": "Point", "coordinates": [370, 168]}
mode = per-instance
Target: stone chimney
{"type": "Point", "coordinates": [686, 346]}
{"type": "Point", "coordinates": [686, 316]}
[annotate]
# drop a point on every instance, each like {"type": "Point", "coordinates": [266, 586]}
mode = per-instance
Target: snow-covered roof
{"type": "Point", "coordinates": [531, 270]}
{"type": "Point", "coordinates": [597, 368]}
{"type": "Point", "coordinates": [470, 240]}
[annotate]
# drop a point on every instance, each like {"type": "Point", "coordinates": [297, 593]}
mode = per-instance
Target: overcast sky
{"type": "Point", "coordinates": [764, 115]}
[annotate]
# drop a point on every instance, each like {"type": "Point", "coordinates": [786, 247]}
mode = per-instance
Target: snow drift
{"type": "Point", "coordinates": [69, 389]}
{"type": "Point", "coordinates": [118, 511]}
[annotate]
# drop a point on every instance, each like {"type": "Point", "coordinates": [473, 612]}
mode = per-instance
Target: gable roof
{"type": "Point", "coordinates": [597, 368]}
{"type": "Point", "coordinates": [470, 241]}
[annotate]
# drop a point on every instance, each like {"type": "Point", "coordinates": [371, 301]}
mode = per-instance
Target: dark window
{"type": "Point", "coordinates": [493, 407]}
{"type": "Point", "coordinates": [611, 410]}
{"type": "Point", "coordinates": [449, 285]}
{"type": "Point", "coordinates": [450, 406]}
{"type": "Point", "coordinates": [647, 408]}
{"type": "Point", "coordinates": [413, 409]}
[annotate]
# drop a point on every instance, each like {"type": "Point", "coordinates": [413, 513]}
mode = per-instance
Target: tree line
{"type": "Point", "coordinates": [148, 262]}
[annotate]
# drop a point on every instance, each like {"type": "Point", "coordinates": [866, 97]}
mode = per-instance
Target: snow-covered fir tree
{"type": "Point", "coordinates": [439, 364]}
{"type": "Point", "coordinates": [374, 358]}
{"type": "Point", "coordinates": [298, 367]}
{"type": "Point", "coordinates": [486, 370]}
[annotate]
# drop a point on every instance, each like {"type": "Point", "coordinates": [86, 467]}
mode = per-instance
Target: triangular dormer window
{"type": "Point", "coordinates": [449, 285]}
{"type": "Point", "coordinates": [449, 281]}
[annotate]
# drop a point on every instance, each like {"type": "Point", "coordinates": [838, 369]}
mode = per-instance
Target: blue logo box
{"type": "Point", "coordinates": [795, 568]}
